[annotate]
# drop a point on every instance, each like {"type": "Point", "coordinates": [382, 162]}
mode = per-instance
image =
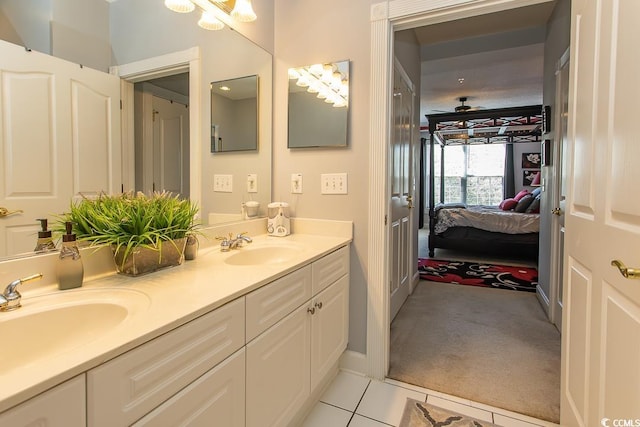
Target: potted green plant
{"type": "Point", "coordinates": [145, 232]}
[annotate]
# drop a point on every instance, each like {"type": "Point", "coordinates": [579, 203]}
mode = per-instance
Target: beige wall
{"type": "Point", "coordinates": [307, 32]}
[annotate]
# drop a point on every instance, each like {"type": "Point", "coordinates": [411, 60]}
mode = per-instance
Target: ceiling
{"type": "Point", "coordinates": [495, 60]}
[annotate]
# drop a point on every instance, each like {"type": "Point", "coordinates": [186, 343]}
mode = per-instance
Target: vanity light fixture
{"type": "Point", "coordinates": [238, 10]}
{"type": "Point", "coordinates": [326, 80]}
{"type": "Point", "coordinates": [208, 21]}
{"type": "Point", "coordinates": [180, 6]}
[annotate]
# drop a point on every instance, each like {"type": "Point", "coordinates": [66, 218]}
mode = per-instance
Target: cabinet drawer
{"type": "Point", "coordinates": [214, 399]}
{"type": "Point", "coordinates": [62, 406]}
{"type": "Point", "coordinates": [126, 388]}
{"type": "Point", "coordinates": [267, 305]}
{"type": "Point", "coordinates": [330, 268]}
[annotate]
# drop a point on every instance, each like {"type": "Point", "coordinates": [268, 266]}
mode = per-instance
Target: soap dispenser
{"type": "Point", "coordinates": [69, 269]}
{"type": "Point", "coordinates": [45, 242]}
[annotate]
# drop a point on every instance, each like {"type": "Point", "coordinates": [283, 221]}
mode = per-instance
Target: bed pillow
{"type": "Point", "coordinates": [536, 192]}
{"type": "Point", "coordinates": [524, 203]}
{"type": "Point", "coordinates": [508, 204]}
{"type": "Point", "coordinates": [534, 207]}
{"type": "Point", "coordinates": [520, 195]}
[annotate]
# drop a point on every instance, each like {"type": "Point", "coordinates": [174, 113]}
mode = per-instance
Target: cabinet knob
{"type": "Point", "coordinates": [319, 305]}
{"type": "Point", "coordinates": [311, 310]}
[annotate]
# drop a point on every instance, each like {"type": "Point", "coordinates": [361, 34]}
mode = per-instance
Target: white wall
{"type": "Point", "coordinates": [308, 32]}
{"type": "Point", "coordinates": [75, 30]}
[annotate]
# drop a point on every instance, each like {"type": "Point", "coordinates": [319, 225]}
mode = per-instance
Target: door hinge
{"type": "Point", "coordinates": [121, 104]}
{"type": "Point", "coordinates": [386, 219]}
{"type": "Point", "coordinates": [122, 188]}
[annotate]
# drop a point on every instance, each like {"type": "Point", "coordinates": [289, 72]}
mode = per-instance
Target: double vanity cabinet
{"type": "Point", "coordinates": [255, 361]}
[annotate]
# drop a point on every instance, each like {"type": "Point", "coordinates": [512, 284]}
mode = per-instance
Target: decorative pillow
{"type": "Point", "coordinates": [536, 192]}
{"type": "Point", "coordinates": [524, 203]}
{"type": "Point", "coordinates": [507, 204]}
{"type": "Point", "coordinates": [520, 195]}
{"type": "Point", "coordinates": [534, 207]}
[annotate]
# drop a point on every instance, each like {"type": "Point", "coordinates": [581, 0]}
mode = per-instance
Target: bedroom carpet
{"type": "Point", "coordinates": [484, 274]}
{"type": "Point", "coordinates": [492, 346]}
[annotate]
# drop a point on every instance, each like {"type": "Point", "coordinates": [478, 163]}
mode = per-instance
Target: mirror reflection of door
{"type": "Point", "coordinates": [162, 135]}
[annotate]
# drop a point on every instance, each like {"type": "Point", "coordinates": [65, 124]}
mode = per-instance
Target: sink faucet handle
{"type": "Point", "coordinates": [10, 298]}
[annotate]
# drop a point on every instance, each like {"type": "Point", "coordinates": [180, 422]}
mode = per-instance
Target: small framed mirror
{"type": "Point", "coordinates": [319, 105]}
{"type": "Point", "coordinates": [234, 114]}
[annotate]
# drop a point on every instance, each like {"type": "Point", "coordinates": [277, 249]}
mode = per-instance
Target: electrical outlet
{"type": "Point", "coordinates": [252, 183]}
{"type": "Point", "coordinates": [296, 183]}
{"type": "Point", "coordinates": [223, 183]}
{"type": "Point", "coordinates": [333, 183]}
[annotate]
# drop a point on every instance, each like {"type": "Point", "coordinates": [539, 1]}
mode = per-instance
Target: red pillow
{"type": "Point", "coordinates": [508, 204]}
{"type": "Point", "coordinates": [520, 195]}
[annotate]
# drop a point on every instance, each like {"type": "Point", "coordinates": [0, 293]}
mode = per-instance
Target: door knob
{"type": "Point", "coordinates": [6, 212]}
{"type": "Point", "coordinates": [628, 273]}
{"type": "Point", "coordinates": [410, 202]}
{"type": "Point", "coordinates": [556, 211]}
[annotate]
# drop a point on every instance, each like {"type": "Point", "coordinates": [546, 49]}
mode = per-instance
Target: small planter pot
{"type": "Point", "coordinates": [145, 260]}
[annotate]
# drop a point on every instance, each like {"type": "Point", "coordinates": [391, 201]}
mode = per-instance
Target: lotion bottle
{"type": "Point", "coordinates": [45, 242]}
{"type": "Point", "coordinates": [69, 270]}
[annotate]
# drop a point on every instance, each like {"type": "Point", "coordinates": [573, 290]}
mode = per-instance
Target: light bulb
{"type": "Point", "coordinates": [303, 81]}
{"type": "Point", "coordinates": [316, 69]}
{"type": "Point", "coordinates": [209, 22]}
{"type": "Point", "coordinates": [243, 11]}
{"type": "Point", "coordinates": [180, 6]}
{"type": "Point", "coordinates": [293, 74]}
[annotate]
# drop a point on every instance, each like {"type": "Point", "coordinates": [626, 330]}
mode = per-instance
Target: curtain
{"type": "Point", "coordinates": [509, 179]}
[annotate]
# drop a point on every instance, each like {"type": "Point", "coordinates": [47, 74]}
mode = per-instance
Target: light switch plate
{"type": "Point", "coordinates": [223, 183]}
{"type": "Point", "coordinates": [252, 183]}
{"type": "Point", "coordinates": [333, 183]}
{"type": "Point", "coordinates": [296, 183]}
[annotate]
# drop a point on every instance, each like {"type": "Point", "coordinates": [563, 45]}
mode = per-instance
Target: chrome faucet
{"type": "Point", "coordinates": [10, 298]}
{"type": "Point", "coordinates": [229, 243]}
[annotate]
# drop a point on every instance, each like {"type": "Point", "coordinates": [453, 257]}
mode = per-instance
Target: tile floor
{"type": "Point", "coordinates": [355, 401]}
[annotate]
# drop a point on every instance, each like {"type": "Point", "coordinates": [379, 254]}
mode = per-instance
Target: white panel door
{"type": "Point", "coordinates": [601, 316]}
{"type": "Point", "coordinates": [170, 146]}
{"type": "Point", "coordinates": [59, 138]}
{"type": "Point", "coordinates": [402, 261]}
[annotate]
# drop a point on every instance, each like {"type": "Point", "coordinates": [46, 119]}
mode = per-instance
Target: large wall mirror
{"type": "Point", "coordinates": [319, 105]}
{"type": "Point", "coordinates": [141, 35]}
{"type": "Point", "coordinates": [234, 114]}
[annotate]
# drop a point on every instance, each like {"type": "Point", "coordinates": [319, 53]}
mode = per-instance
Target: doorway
{"type": "Point", "coordinates": [162, 134]}
{"type": "Point", "coordinates": [187, 61]}
{"type": "Point", "coordinates": [384, 22]}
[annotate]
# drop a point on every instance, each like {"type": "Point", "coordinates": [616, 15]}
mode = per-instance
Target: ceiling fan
{"type": "Point", "coordinates": [462, 108]}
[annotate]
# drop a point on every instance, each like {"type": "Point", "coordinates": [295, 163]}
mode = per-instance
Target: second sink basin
{"type": "Point", "coordinates": [262, 255]}
{"type": "Point", "coordinates": [49, 324]}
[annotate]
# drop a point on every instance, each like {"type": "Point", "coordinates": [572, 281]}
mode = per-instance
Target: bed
{"type": "Point", "coordinates": [482, 229]}
{"type": "Point", "coordinates": [485, 229]}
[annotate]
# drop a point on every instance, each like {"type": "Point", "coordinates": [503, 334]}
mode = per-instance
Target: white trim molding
{"type": "Point", "coordinates": [165, 65]}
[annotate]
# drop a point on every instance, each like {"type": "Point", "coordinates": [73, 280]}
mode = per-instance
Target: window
{"type": "Point", "coordinates": [474, 174]}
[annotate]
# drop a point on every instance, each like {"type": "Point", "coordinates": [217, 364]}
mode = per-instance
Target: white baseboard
{"type": "Point", "coordinates": [543, 299]}
{"type": "Point", "coordinates": [355, 362]}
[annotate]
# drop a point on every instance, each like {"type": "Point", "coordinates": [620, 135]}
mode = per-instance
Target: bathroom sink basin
{"type": "Point", "coordinates": [262, 255]}
{"type": "Point", "coordinates": [48, 325]}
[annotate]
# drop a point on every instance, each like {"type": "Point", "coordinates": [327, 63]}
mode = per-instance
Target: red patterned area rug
{"type": "Point", "coordinates": [479, 274]}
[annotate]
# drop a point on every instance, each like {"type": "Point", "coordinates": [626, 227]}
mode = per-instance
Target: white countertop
{"type": "Point", "coordinates": [166, 299]}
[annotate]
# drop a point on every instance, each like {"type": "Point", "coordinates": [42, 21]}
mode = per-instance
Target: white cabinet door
{"type": "Point", "coordinates": [215, 399]}
{"type": "Point", "coordinates": [329, 328]}
{"type": "Point", "coordinates": [62, 406]}
{"type": "Point", "coordinates": [128, 387]}
{"type": "Point", "coordinates": [278, 371]}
